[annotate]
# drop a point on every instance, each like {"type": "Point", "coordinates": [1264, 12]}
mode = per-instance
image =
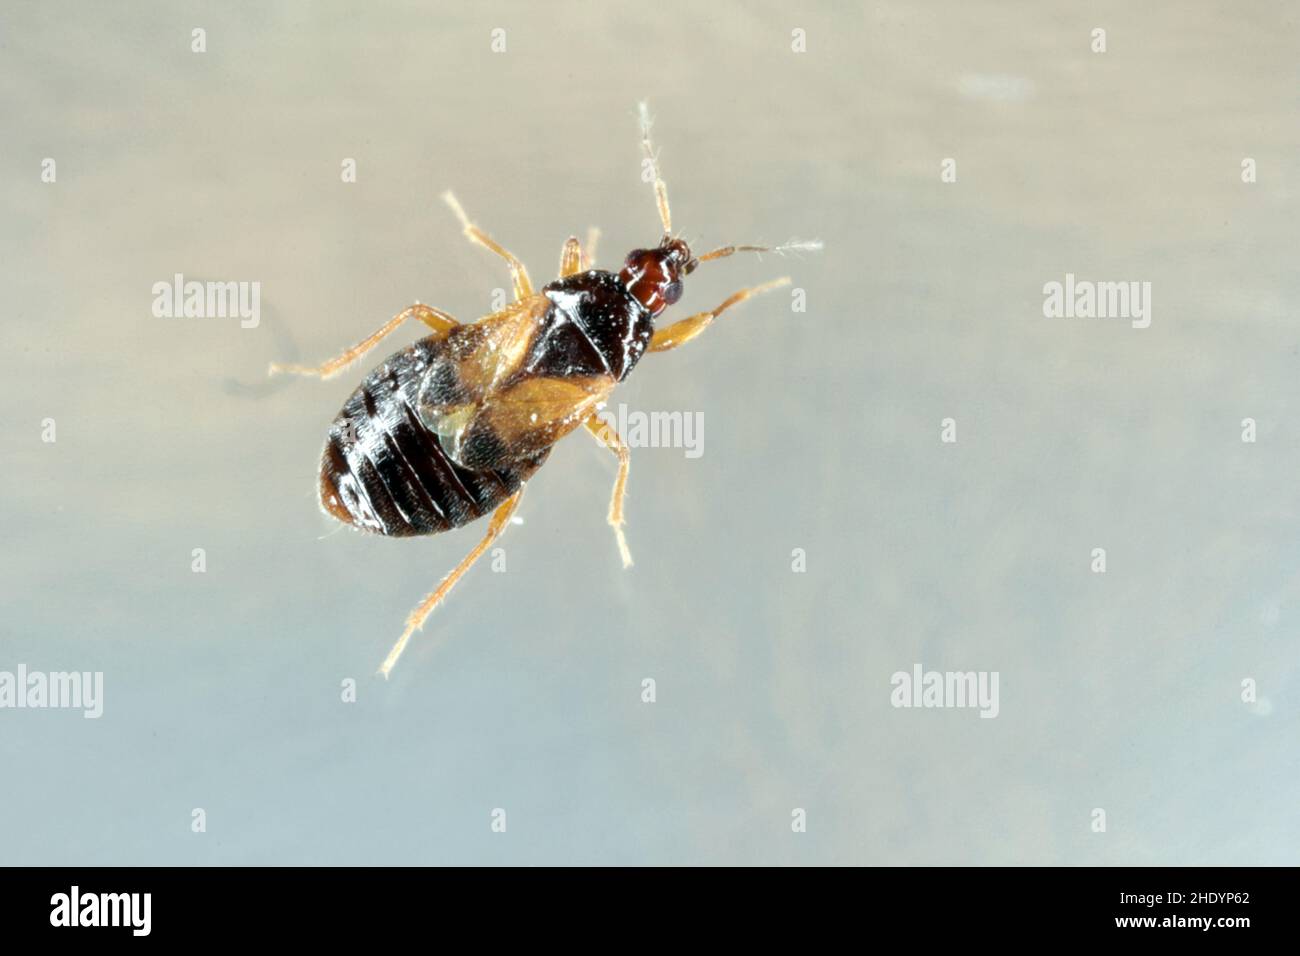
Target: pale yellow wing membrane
{"type": "Point", "coordinates": [537, 412]}
{"type": "Point", "coordinates": [501, 344]}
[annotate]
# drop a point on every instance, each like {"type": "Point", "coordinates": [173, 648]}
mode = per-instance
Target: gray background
{"type": "Point", "coordinates": [1120, 691]}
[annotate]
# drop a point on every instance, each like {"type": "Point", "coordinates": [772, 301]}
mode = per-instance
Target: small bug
{"type": "Point", "coordinates": [449, 429]}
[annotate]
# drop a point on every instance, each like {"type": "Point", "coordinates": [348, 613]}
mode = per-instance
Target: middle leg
{"type": "Point", "coordinates": [570, 258]}
{"type": "Point", "coordinates": [575, 257]}
{"type": "Point", "coordinates": [589, 251]}
{"type": "Point", "coordinates": [518, 274]}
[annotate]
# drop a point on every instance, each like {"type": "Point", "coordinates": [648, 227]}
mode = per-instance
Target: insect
{"type": "Point", "coordinates": [449, 429]}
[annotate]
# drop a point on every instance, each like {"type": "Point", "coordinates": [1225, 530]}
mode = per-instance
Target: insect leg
{"type": "Point", "coordinates": [518, 274]}
{"type": "Point", "coordinates": [611, 440]}
{"type": "Point", "coordinates": [681, 332]}
{"type": "Point", "coordinates": [500, 518]}
{"type": "Point", "coordinates": [589, 252]}
{"type": "Point", "coordinates": [435, 319]}
{"type": "Point", "coordinates": [570, 258]}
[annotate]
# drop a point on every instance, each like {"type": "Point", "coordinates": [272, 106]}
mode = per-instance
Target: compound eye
{"type": "Point", "coordinates": [672, 292]}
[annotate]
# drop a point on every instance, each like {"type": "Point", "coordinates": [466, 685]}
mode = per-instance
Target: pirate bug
{"type": "Point", "coordinates": [449, 429]}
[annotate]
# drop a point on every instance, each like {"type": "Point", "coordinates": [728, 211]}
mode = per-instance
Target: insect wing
{"type": "Point", "coordinates": [535, 413]}
{"type": "Point", "coordinates": [488, 408]}
{"type": "Point", "coordinates": [502, 343]}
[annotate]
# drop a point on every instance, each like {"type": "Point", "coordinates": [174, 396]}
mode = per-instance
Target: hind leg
{"type": "Point", "coordinates": [611, 440]}
{"type": "Point", "coordinates": [436, 319]}
{"type": "Point", "coordinates": [500, 518]}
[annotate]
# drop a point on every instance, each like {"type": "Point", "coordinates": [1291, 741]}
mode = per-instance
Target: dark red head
{"type": "Point", "coordinates": [654, 276]}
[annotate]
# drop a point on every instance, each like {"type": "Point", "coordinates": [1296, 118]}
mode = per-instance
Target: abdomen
{"type": "Point", "coordinates": [385, 472]}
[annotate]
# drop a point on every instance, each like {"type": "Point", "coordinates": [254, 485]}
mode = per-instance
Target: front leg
{"type": "Point", "coordinates": [681, 332]}
{"type": "Point", "coordinates": [611, 440]}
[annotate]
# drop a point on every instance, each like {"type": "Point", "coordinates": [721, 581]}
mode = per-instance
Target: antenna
{"type": "Point", "coordinates": [661, 190]}
{"type": "Point", "coordinates": [794, 245]}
